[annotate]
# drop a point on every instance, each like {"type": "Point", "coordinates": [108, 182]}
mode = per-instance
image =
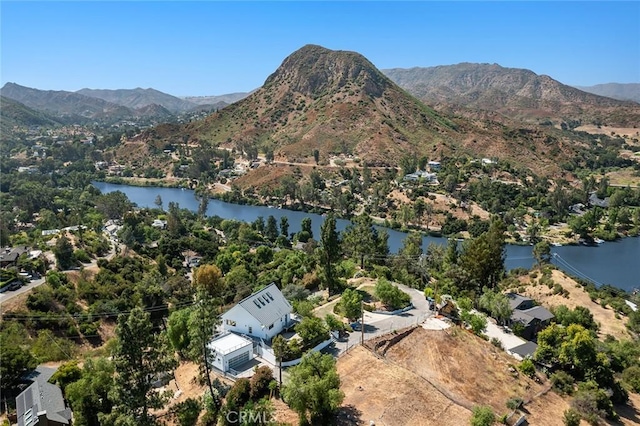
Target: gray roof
{"type": "Point", "coordinates": [41, 396]}
{"type": "Point", "coordinates": [520, 316]}
{"type": "Point", "coordinates": [539, 312]}
{"type": "Point", "coordinates": [515, 299]}
{"type": "Point", "coordinates": [525, 349]}
{"type": "Point", "coordinates": [267, 305]}
{"type": "Point", "coordinates": [526, 316]}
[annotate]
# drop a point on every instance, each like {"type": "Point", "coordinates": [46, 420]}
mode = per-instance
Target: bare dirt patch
{"type": "Point", "coordinates": [606, 317]}
{"type": "Point", "coordinates": [625, 132]}
{"type": "Point", "coordinates": [626, 177]}
{"type": "Point", "coordinates": [388, 394]}
{"type": "Point", "coordinates": [470, 369]}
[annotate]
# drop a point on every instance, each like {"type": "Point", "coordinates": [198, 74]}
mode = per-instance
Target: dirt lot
{"type": "Point", "coordinates": [433, 377]}
{"type": "Point", "coordinates": [388, 394]}
{"type": "Point", "coordinates": [577, 297]}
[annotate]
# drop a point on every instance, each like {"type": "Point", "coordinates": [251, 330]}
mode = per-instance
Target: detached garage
{"type": "Point", "coordinates": [230, 351]}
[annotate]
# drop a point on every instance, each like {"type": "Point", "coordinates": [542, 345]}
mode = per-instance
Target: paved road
{"type": "Point", "coordinates": [379, 324]}
{"type": "Point", "coordinates": [8, 295]}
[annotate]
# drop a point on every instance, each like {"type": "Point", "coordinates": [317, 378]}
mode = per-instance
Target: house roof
{"type": "Point", "coordinates": [539, 312]}
{"type": "Point", "coordinates": [516, 299]}
{"type": "Point", "coordinates": [41, 396]}
{"type": "Point", "coordinates": [267, 305]}
{"type": "Point", "coordinates": [526, 316]}
{"type": "Point", "coordinates": [228, 343]}
{"type": "Point", "coordinates": [525, 349]}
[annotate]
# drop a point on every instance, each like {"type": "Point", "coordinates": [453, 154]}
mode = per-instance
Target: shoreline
{"type": "Point", "coordinates": [432, 231]}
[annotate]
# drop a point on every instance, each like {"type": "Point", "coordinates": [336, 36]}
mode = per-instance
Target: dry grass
{"type": "Point", "coordinates": [609, 324]}
{"type": "Point", "coordinates": [389, 394]}
{"type": "Point", "coordinates": [626, 132]}
{"type": "Point", "coordinates": [469, 368]}
{"type": "Point", "coordinates": [625, 177]}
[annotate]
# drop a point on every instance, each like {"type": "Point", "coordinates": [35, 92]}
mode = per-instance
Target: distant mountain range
{"type": "Point", "coordinates": [516, 93]}
{"type": "Point", "coordinates": [14, 114]}
{"type": "Point", "coordinates": [620, 91]}
{"type": "Point", "coordinates": [139, 98]}
{"type": "Point", "coordinates": [111, 105]}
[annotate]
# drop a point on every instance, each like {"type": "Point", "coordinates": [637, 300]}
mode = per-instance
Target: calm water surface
{"type": "Point", "coordinates": [616, 263]}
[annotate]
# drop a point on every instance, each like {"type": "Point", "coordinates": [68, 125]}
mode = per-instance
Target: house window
{"type": "Point", "coordinates": [230, 322]}
{"type": "Point", "coordinates": [250, 330]}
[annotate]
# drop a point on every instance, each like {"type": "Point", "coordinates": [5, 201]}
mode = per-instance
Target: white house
{"type": "Point", "coordinates": [230, 351]}
{"type": "Point", "coordinates": [264, 314]}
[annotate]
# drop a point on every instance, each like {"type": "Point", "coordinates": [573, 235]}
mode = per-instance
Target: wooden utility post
{"type": "Point", "coordinates": [362, 322]}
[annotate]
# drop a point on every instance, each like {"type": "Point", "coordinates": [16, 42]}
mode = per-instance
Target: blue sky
{"type": "Point", "coordinates": [211, 48]}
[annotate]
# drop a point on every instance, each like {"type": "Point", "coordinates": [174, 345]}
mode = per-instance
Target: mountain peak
{"type": "Point", "coordinates": [315, 70]}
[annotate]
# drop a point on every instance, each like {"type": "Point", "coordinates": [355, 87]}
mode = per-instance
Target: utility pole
{"type": "Point", "coordinates": [362, 322]}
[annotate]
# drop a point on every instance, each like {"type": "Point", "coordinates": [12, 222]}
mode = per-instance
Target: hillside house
{"type": "Point", "coordinates": [264, 314]}
{"type": "Point", "coordinates": [534, 318]}
{"type": "Point", "coordinates": [42, 403]}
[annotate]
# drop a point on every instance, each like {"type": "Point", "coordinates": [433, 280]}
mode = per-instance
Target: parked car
{"type": "Point", "coordinates": [356, 326]}
{"type": "Point", "coordinates": [15, 285]}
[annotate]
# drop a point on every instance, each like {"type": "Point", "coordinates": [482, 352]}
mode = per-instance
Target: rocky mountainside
{"type": "Point", "coordinates": [517, 93]}
{"type": "Point", "coordinates": [139, 98]}
{"type": "Point", "coordinates": [338, 102]}
{"type": "Point", "coordinates": [69, 105]}
{"type": "Point", "coordinates": [620, 91]}
{"type": "Point", "coordinates": [332, 101]}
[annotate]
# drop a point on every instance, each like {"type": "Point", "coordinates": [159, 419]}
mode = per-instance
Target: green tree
{"type": "Point", "coordinates": [306, 232]}
{"type": "Point", "coordinates": [316, 155]}
{"type": "Point", "coordinates": [313, 390]}
{"type": "Point", "coordinates": [542, 252]}
{"type": "Point", "coordinates": [483, 257]}
{"type": "Point", "coordinates": [64, 253]}
{"type": "Point", "coordinates": [284, 226]}
{"type": "Point", "coordinates": [204, 319]}
{"type": "Point", "coordinates": [351, 304]}
{"type": "Point", "coordinates": [482, 415]}
{"type": "Point", "coordinates": [330, 252]}
{"type": "Point", "coordinates": [312, 330]}
{"type": "Point", "coordinates": [280, 347]}
{"type": "Point", "coordinates": [271, 230]}
{"type": "Point", "coordinates": [178, 330]}
{"type": "Point", "coordinates": [390, 295]}
{"type": "Point", "coordinates": [89, 397]}
{"type": "Point", "coordinates": [16, 359]}
{"type": "Point", "coordinates": [359, 238]}
{"type": "Point", "coordinates": [140, 356]}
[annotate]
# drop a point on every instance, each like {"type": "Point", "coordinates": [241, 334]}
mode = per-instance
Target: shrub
{"type": "Point", "coordinates": [562, 382]}
{"type": "Point", "coordinates": [260, 382]}
{"type": "Point", "coordinates": [496, 342]}
{"type": "Point", "coordinates": [482, 416]}
{"type": "Point", "coordinates": [514, 403]}
{"type": "Point", "coordinates": [631, 376]}
{"type": "Point", "coordinates": [571, 418]}
{"type": "Point", "coordinates": [527, 367]}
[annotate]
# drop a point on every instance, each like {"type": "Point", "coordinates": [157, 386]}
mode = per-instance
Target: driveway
{"type": "Point", "coordinates": [508, 340]}
{"type": "Point", "coordinates": [378, 324]}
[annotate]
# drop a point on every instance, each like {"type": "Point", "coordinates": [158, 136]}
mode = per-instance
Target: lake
{"type": "Point", "coordinates": [616, 263]}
